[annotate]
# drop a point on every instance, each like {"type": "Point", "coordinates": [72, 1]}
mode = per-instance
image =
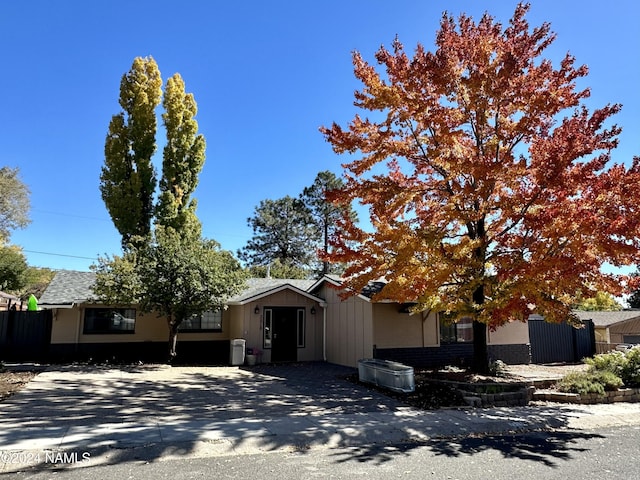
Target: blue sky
{"type": "Point", "coordinates": [265, 74]}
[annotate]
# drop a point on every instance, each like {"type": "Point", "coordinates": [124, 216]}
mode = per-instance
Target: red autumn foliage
{"type": "Point", "coordinates": [488, 182]}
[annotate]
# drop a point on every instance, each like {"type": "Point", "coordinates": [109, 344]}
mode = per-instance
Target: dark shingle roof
{"type": "Point", "coordinates": [259, 286]}
{"type": "Point", "coordinates": [68, 287]}
{"type": "Point", "coordinates": [606, 319]}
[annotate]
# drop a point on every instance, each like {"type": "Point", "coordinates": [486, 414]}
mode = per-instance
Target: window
{"type": "Point", "coordinates": [460, 332]}
{"type": "Point", "coordinates": [268, 328]}
{"type": "Point", "coordinates": [109, 320]}
{"type": "Point", "coordinates": [300, 323]}
{"type": "Point", "coordinates": [207, 322]}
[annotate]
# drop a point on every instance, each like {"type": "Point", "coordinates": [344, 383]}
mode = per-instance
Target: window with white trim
{"type": "Point", "coordinates": [267, 328]}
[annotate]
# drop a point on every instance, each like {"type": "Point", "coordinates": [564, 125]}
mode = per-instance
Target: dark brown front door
{"type": "Point", "coordinates": [285, 342]}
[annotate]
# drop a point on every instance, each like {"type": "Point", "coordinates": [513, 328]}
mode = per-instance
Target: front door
{"type": "Point", "coordinates": [284, 346]}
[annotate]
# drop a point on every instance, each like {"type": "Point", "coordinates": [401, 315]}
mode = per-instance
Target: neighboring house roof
{"type": "Point", "coordinates": [607, 319]}
{"type": "Point", "coordinates": [261, 287]}
{"type": "Point", "coordinates": [67, 288]}
{"type": "Point", "coordinates": [8, 296]}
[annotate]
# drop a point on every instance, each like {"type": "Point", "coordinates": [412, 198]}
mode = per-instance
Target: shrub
{"type": "Point", "coordinates": [596, 381]}
{"type": "Point", "coordinates": [610, 362]}
{"type": "Point", "coordinates": [631, 369]}
{"type": "Point", "coordinates": [498, 368]}
{"type": "Point", "coordinates": [625, 365]}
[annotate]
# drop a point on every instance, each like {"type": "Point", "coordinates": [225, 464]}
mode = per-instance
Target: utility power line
{"type": "Point", "coordinates": [60, 255]}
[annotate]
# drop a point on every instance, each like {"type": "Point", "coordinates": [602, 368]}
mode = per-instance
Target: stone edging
{"type": "Point", "coordinates": [508, 394]}
{"type": "Point", "coordinates": [620, 395]}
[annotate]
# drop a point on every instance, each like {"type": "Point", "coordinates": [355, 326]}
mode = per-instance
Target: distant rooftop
{"type": "Point", "coordinates": [606, 319]}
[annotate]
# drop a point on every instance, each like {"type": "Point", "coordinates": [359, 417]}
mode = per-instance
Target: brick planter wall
{"type": "Point", "coordinates": [492, 394]}
{"type": "Point", "coordinates": [620, 395]}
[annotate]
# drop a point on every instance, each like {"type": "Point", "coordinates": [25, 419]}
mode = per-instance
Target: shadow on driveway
{"type": "Point", "coordinates": [152, 413]}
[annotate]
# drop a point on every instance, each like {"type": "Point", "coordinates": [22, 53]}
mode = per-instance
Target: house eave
{"type": "Point", "coordinates": [338, 284]}
{"type": "Point", "coordinates": [274, 290]}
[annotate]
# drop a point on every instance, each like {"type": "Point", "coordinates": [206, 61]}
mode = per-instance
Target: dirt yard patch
{"type": "Point", "coordinates": [11, 382]}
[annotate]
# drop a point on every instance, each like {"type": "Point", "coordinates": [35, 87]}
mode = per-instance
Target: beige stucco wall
{"type": "Point", "coordinates": [349, 328]}
{"type": "Point", "coordinates": [394, 329]}
{"type": "Point", "coordinates": [601, 334]}
{"type": "Point", "coordinates": [67, 327]}
{"type": "Point", "coordinates": [512, 333]}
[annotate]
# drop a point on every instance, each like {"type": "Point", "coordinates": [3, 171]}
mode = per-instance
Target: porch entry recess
{"type": "Point", "coordinates": [284, 332]}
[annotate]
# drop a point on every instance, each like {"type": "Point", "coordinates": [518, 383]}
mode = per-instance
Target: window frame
{"type": "Point", "coordinates": [452, 328]}
{"type": "Point", "coordinates": [125, 313]}
{"type": "Point", "coordinates": [267, 328]}
{"type": "Point", "coordinates": [200, 318]}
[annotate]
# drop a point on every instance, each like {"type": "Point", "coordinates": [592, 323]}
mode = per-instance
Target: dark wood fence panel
{"type": "Point", "coordinates": [25, 335]}
{"type": "Point", "coordinates": [560, 342]}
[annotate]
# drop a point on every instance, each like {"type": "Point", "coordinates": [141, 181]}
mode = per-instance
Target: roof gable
{"type": "Point", "coordinates": [258, 288]}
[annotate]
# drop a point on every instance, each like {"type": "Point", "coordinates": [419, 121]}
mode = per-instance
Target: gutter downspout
{"type": "Point", "coordinates": [79, 322]}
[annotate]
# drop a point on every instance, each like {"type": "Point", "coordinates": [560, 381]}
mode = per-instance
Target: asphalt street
{"type": "Point", "coordinates": [609, 453]}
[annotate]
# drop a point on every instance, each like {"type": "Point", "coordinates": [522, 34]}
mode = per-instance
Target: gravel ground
{"type": "Point", "coordinates": [544, 372]}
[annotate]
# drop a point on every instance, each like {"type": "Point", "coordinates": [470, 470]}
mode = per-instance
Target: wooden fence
{"type": "Point", "coordinates": [25, 335]}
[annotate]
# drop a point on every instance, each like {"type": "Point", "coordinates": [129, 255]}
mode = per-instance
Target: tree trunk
{"type": "Point", "coordinates": [480, 351]}
{"type": "Point", "coordinates": [173, 340]}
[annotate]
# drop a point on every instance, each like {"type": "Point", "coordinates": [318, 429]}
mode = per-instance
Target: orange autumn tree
{"type": "Point", "coordinates": [488, 182]}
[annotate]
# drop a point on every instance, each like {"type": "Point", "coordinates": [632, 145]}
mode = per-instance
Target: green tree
{"type": "Point", "coordinates": [183, 158]}
{"type": "Point", "coordinates": [601, 302]}
{"type": "Point", "coordinates": [14, 202]}
{"type": "Point", "coordinates": [326, 215]}
{"type": "Point", "coordinates": [283, 230]}
{"type": "Point", "coordinates": [13, 269]}
{"type": "Point", "coordinates": [128, 179]}
{"type": "Point", "coordinates": [170, 269]}
{"type": "Point", "coordinates": [175, 275]}
{"type": "Point", "coordinates": [276, 269]}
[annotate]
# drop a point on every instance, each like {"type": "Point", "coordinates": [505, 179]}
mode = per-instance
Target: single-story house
{"type": "Point", "coordinates": [613, 328]}
{"type": "Point", "coordinates": [283, 319]}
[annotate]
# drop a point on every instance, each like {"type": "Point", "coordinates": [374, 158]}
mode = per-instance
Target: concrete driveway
{"type": "Point", "coordinates": [100, 414]}
{"type": "Point", "coordinates": [185, 409]}
{"type": "Point", "coordinates": [83, 395]}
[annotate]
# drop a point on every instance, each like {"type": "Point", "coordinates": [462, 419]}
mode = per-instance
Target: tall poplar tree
{"type": "Point", "coordinates": [128, 179]}
{"type": "Point", "coordinates": [183, 159]}
{"type": "Point", "coordinates": [169, 269]}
